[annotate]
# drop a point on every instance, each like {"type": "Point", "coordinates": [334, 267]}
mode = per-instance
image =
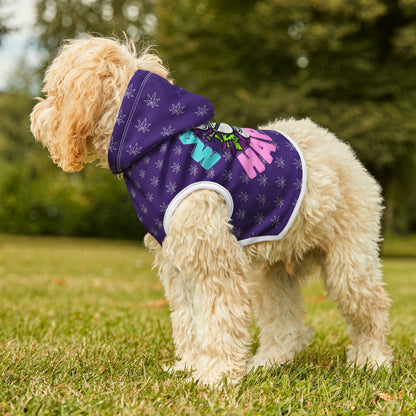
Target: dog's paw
{"type": "Point", "coordinates": [274, 352]}
{"type": "Point", "coordinates": [217, 379]}
{"type": "Point", "coordinates": [181, 365]}
{"type": "Point", "coordinates": [268, 361]}
{"type": "Point", "coordinates": [371, 358]}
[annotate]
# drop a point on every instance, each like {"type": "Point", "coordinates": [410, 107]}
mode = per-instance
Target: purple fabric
{"type": "Point", "coordinates": [166, 147]}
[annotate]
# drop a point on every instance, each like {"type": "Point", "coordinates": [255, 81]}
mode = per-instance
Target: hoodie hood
{"type": "Point", "coordinates": [139, 128]}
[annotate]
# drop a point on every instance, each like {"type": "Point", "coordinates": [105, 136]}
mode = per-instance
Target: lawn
{"type": "Point", "coordinates": [85, 330]}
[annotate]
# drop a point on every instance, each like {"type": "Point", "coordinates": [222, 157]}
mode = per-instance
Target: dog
{"type": "Point", "coordinates": [213, 276]}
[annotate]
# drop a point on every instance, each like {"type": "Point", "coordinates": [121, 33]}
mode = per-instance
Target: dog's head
{"type": "Point", "coordinates": [83, 88]}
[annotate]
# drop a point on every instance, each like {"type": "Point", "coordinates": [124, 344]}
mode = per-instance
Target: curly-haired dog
{"type": "Point", "coordinates": [236, 217]}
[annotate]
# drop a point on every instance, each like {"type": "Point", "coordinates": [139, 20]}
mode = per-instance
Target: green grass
{"type": "Point", "coordinates": [84, 331]}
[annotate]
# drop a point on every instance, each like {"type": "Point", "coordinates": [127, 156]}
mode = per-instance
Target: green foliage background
{"type": "Point", "coordinates": [350, 66]}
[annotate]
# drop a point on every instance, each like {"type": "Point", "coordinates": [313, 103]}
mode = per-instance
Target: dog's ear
{"type": "Point", "coordinates": [68, 116]}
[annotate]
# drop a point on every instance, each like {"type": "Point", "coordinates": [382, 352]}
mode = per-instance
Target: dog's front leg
{"type": "Point", "coordinates": [212, 268]}
{"type": "Point", "coordinates": [179, 292]}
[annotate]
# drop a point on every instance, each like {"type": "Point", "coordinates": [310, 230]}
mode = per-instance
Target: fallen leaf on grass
{"type": "Point", "coordinates": [59, 281]}
{"type": "Point", "coordinates": [157, 303]}
{"type": "Point", "coordinates": [390, 397]}
{"type": "Point", "coordinates": [315, 299]}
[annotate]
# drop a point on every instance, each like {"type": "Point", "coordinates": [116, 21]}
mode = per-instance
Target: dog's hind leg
{"type": "Point", "coordinates": [278, 306]}
{"type": "Point", "coordinates": [352, 277]}
{"type": "Point", "coordinates": [213, 267]}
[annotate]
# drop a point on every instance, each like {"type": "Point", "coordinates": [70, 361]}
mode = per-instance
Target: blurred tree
{"type": "Point", "coordinates": [4, 28]}
{"type": "Point", "coordinates": [350, 66]}
{"type": "Point", "coordinates": [14, 132]}
{"type": "Point", "coordinates": [62, 19]}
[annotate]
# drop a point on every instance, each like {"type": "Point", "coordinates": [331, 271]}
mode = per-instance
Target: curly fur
{"type": "Point", "coordinates": [210, 281]}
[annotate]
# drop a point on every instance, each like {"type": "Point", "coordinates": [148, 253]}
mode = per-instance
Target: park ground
{"type": "Point", "coordinates": [85, 330]}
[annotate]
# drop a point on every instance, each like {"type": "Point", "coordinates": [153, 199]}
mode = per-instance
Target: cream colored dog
{"type": "Point", "coordinates": [211, 282]}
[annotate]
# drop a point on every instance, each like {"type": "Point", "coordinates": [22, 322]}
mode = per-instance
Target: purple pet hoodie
{"type": "Point", "coordinates": [166, 146]}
